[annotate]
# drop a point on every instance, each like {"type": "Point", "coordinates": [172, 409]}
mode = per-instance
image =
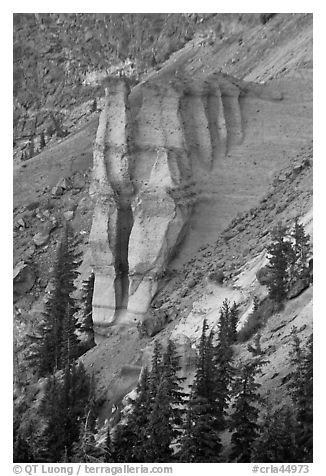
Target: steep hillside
{"type": "Point", "coordinates": [174, 184]}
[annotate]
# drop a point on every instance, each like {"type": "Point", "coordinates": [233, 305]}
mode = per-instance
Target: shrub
{"type": "Point", "coordinates": [217, 276]}
{"type": "Point", "coordinates": [258, 318]}
{"type": "Point", "coordinates": [263, 275]}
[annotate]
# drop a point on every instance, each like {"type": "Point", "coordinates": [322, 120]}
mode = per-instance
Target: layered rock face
{"type": "Point", "coordinates": [111, 187]}
{"type": "Point", "coordinates": [150, 149]}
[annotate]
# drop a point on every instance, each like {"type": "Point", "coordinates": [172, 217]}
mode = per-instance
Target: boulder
{"type": "Point", "coordinates": [41, 238]}
{"type": "Point", "coordinates": [20, 223]}
{"type": "Point", "coordinates": [68, 215]}
{"type": "Point", "coordinates": [152, 323]}
{"type": "Point", "coordinates": [28, 253]}
{"type": "Point", "coordinates": [23, 279]}
{"type": "Point", "coordinates": [57, 191]}
{"type": "Point", "coordinates": [64, 183]}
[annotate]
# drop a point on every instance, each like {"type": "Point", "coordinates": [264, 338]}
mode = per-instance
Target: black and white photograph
{"type": "Point", "coordinates": [162, 242]}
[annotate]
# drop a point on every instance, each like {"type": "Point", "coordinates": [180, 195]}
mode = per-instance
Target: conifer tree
{"type": "Point", "coordinates": [166, 419]}
{"type": "Point", "coordinates": [69, 343]}
{"type": "Point", "coordinates": [301, 251]}
{"type": "Point", "coordinates": [87, 307]}
{"type": "Point", "coordinates": [280, 252]}
{"type": "Point", "coordinates": [223, 354]}
{"type": "Point", "coordinates": [201, 442]}
{"type": "Point", "coordinates": [130, 438]}
{"type": "Point", "coordinates": [84, 450]}
{"type": "Point", "coordinates": [159, 427]}
{"type": "Point", "coordinates": [276, 443]}
{"type": "Point", "coordinates": [233, 322]}
{"type": "Point", "coordinates": [301, 389]}
{"type": "Point", "coordinates": [244, 420]}
{"type": "Point", "coordinates": [62, 408]}
{"type": "Point", "coordinates": [122, 450]}
{"type": "Point", "coordinates": [156, 367]}
{"type": "Point", "coordinates": [109, 455]}
{"type": "Point", "coordinates": [170, 369]}
{"type": "Point", "coordinates": [21, 450]}
{"type": "Point", "coordinates": [59, 309]}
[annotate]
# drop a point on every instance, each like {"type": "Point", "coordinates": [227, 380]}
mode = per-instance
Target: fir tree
{"type": "Point", "coordinates": [87, 326]}
{"type": "Point", "coordinates": [244, 420]}
{"type": "Point", "coordinates": [156, 367]}
{"type": "Point", "coordinates": [84, 450]}
{"type": "Point", "coordinates": [233, 322]}
{"type": "Point", "coordinates": [281, 253]}
{"type": "Point", "coordinates": [301, 251]}
{"type": "Point", "coordinates": [109, 455]}
{"type": "Point", "coordinates": [62, 408]}
{"type": "Point", "coordinates": [201, 442]}
{"type": "Point", "coordinates": [69, 343]}
{"type": "Point", "coordinates": [301, 389]}
{"type": "Point", "coordinates": [167, 408]}
{"type": "Point", "coordinates": [130, 438]}
{"type": "Point", "coordinates": [52, 350]}
{"type": "Point", "coordinates": [171, 367]}
{"type": "Point", "coordinates": [223, 354]}
{"type": "Point", "coordinates": [276, 443]}
{"type": "Point", "coordinates": [21, 451]}
{"type": "Point", "coordinates": [122, 450]}
{"type": "Point", "coordinates": [160, 429]}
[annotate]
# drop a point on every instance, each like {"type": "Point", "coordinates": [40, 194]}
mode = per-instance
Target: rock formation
{"type": "Point", "coordinates": [111, 188]}
{"type": "Point", "coordinates": [147, 155]}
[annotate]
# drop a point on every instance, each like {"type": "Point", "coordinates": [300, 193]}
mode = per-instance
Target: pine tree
{"type": "Point", "coordinates": [170, 369]}
{"type": "Point", "coordinates": [129, 442]}
{"type": "Point", "coordinates": [122, 451]}
{"type": "Point", "coordinates": [166, 419]}
{"type": "Point", "coordinates": [21, 451]}
{"type": "Point", "coordinates": [87, 326]}
{"type": "Point", "coordinates": [281, 253]}
{"type": "Point", "coordinates": [244, 420]}
{"type": "Point", "coordinates": [276, 443]}
{"type": "Point", "coordinates": [60, 308]}
{"type": "Point", "coordinates": [233, 322]}
{"type": "Point", "coordinates": [69, 343]}
{"type": "Point", "coordinates": [201, 442]}
{"type": "Point", "coordinates": [159, 427]}
{"type": "Point", "coordinates": [223, 355]}
{"type": "Point", "coordinates": [301, 251]}
{"type": "Point", "coordinates": [224, 321]}
{"type": "Point", "coordinates": [62, 408]}
{"type": "Point", "coordinates": [138, 421]}
{"type": "Point", "coordinates": [301, 389]}
{"type": "Point", "coordinates": [156, 367]}
{"type": "Point", "coordinates": [84, 450]}
{"type": "Point", "coordinates": [108, 447]}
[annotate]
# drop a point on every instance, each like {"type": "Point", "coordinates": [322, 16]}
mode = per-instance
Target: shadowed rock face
{"type": "Point", "coordinates": [144, 181]}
